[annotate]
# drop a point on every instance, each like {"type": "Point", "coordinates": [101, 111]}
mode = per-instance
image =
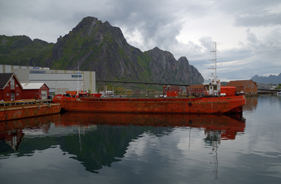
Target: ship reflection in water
{"type": "Point", "coordinates": [12, 132]}
{"type": "Point", "coordinates": [97, 140]}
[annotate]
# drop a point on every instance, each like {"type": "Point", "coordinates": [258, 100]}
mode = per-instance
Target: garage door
{"type": "Point", "coordinates": [44, 94]}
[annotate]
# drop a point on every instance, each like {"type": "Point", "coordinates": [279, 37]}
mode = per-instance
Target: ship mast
{"type": "Point", "coordinates": [213, 86]}
{"type": "Point", "coordinates": [214, 66]}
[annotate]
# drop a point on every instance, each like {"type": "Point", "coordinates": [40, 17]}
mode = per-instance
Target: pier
{"type": "Point", "coordinates": [268, 91]}
{"type": "Point", "coordinates": [26, 109]}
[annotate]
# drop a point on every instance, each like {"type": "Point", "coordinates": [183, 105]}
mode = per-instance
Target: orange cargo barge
{"type": "Point", "coordinates": [25, 111]}
{"type": "Point", "coordinates": [217, 100]}
{"type": "Point", "coordinates": [203, 105]}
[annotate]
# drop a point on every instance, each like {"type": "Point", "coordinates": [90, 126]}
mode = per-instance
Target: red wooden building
{"type": "Point", "coordinates": [247, 86]}
{"type": "Point", "coordinates": [38, 91]}
{"type": "Point", "coordinates": [10, 87]}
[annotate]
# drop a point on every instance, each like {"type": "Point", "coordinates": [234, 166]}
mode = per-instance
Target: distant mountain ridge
{"type": "Point", "coordinates": [21, 50]}
{"type": "Point", "coordinates": [271, 79]}
{"type": "Point", "coordinates": [93, 45]}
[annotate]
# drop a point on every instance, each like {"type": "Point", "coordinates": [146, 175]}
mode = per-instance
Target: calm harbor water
{"type": "Point", "coordinates": [132, 148]}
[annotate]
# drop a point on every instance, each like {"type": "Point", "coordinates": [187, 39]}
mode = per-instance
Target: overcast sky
{"type": "Point", "coordinates": [247, 32]}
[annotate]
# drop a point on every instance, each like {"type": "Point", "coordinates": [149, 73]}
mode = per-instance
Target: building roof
{"type": "Point", "coordinates": [4, 79]}
{"type": "Point", "coordinates": [32, 85]}
{"type": "Point", "coordinates": [196, 86]}
{"type": "Point", "coordinates": [238, 83]}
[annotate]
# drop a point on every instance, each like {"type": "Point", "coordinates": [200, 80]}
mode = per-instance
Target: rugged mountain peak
{"type": "Point", "coordinates": [162, 58]}
{"type": "Point", "coordinates": [183, 60]}
{"type": "Point", "coordinates": [92, 27]}
{"type": "Point", "coordinates": [86, 26]}
{"type": "Point", "coordinates": [87, 21]}
{"type": "Point", "coordinates": [94, 45]}
{"type": "Point", "coordinates": [158, 51]}
{"type": "Point", "coordinates": [89, 31]}
{"type": "Point", "coordinates": [97, 46]}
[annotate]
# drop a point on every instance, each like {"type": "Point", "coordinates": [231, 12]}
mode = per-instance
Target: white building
{"type": "Point", "coordinates": [59, 81]}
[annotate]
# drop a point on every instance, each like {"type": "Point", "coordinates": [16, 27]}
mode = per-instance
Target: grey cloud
{"type": "Point", "coordinates": [255, 56]}
{"type": "Point", "coordinates": [159, 23]}
{"type": "Point", "coordinates": [259, 20]}
{"type": "Point", "coordinates": [251, 37]}
{"type": "Point", "coordinates": [251, 12]}
{"type": "Point", "coordinates": [207, 42]}
{"type": "Point", "coordinates": [234, 54]}
{"type": "Point", "coordinates": [240, 7]}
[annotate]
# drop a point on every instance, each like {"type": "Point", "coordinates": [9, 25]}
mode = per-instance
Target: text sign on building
{"type": "Point", "coordinates": [36, 71]}
{"type": "Point", "coordinates": [54, 77]}
{"type": "Point", "coordinates": [76, 76]}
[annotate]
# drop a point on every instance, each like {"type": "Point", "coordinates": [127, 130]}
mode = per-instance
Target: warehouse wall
{"type": "Point", "coordinates": [69, 80]}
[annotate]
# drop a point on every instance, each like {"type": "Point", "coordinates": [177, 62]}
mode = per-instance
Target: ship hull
{"type": "Point", "coordinates": [26, 111]}
{"type": "Point", "coordinates": [205, 105]}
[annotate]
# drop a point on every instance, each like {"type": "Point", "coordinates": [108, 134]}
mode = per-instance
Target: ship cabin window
{"type": "Point", "coordinates": [211, 87]}
{"type": "Point", "coordinates": [215, 87]}
{"type": "Point", "coordinates": [207, 87]}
